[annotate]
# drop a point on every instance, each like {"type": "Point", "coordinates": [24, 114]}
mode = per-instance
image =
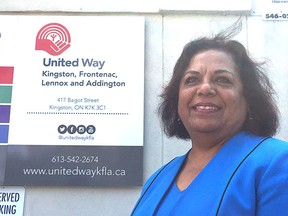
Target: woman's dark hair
{"type": "Point", "coordinates": [258, 91]}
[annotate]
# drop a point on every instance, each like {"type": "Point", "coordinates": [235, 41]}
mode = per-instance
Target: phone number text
{"type": "Point", "coordinates": [276, 16]}
{"type": "Point", "coordinates": [75, 159]}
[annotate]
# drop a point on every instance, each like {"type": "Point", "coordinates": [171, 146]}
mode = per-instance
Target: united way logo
{"type": "Point", "coordinates": [53, 38]}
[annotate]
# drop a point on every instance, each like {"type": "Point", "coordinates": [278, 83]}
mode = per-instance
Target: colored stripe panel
{"type": "Point", "coordinates": [5, 113]}
{"type": "Point", "coordinates": [5, 94]}
{"type": "Point", "coordinates": [6, 75]}
{"type": "Point", "coordinates": [4, 129]}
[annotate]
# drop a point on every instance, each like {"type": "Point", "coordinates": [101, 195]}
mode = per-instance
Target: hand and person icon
{"type": "Point", "coordinates": [53, 38]}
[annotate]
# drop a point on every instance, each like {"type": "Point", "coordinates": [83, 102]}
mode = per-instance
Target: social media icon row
{"type": "Point", "coordinates": [80, 129]}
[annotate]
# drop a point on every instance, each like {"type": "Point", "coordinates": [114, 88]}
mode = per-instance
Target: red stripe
{"type": "Point", "coordinates": [6, 75]}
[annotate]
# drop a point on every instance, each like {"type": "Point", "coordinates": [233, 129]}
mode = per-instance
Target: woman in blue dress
{"type": "Point", "coordinates": [221, 100]}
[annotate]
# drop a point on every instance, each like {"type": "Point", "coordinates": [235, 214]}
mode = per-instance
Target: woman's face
{"type": "Point", "coordinates": [211, 94]}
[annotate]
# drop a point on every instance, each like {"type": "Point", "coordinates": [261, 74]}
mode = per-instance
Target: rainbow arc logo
{"type": "Point", "coordinates": [6, 84]}
{"type": "Point", "coordinates": [53, 38]}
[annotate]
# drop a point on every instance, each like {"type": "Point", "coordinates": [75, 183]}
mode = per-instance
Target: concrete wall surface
{"type": "Point", "coordinates": [167, 29]}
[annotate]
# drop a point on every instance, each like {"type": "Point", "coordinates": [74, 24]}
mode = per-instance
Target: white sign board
{"type": "Point", "coordinates": [275, 10]}
{"type": "Point", "coordinates": [12, 200]}
{"type": "Point", "coordinates": [73, 95]}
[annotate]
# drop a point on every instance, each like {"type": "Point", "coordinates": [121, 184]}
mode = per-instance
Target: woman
{"type": "Point", "coordinates": [220, 99]}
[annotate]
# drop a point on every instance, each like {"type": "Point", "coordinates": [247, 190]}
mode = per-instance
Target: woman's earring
{"type": "Point", "coordinates": [250, 117]}
{"type": "Point", "coordinates": [179, 121]}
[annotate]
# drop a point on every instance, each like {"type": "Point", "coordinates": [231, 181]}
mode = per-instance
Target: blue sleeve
{"type": "Point", "coordinates": [155, 174]}
{"type": "Point", "coordinates": [273, 188]}
{"type": "Point", "coordinates": [149, 181]}
{"type": "Point", "coordinates": [145, 188]}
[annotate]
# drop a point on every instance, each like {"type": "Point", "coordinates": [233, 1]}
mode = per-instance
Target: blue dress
{"type": "Point", "coordinates": [247, 177]}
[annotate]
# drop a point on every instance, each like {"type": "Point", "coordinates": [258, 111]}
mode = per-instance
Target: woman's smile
{"type": "Point", "coordinates": [206, 107]}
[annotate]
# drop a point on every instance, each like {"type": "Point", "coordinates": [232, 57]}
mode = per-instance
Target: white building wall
{"type": "Point", "coordinates": [169, 25]}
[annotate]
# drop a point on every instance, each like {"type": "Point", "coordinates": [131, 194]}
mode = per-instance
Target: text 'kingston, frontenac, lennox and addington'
{"type": "Point", "coordinates": [80, 78]}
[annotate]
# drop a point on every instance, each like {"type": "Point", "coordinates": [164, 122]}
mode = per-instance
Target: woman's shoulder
{"type": "Point", "coordinates": [172, 164]}
{"type": "Point", "coordinates": [279, 142]}
{"type": "Point", "coordinates": [271, 151]}
{"type": "Point", "coordinates": [268, 146]}
{"type": "Point", "coordinates": [273, 146]}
